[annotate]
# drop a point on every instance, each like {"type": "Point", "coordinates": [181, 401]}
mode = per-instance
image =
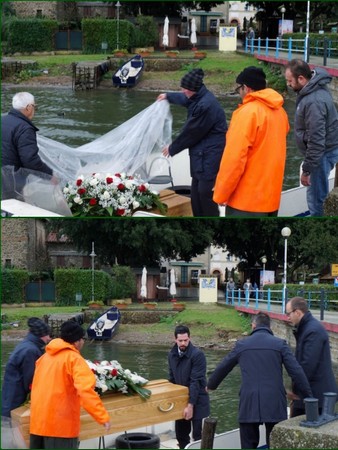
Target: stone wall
{"type": "Point", "coordinates": [29, 9]}
{"type": "Point", "coordinates": [23, 243]}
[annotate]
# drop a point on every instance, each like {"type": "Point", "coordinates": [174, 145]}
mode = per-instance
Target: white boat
{"type": "Point", "coordinates": [105, 326]}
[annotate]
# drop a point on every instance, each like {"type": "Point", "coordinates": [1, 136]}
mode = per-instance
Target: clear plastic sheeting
{"type": "Point", "coordinates": [124, 149]}
{"type": "Point", "coordinates": [11, 436]}
{"type": "Point", "coordinates": [35, 188]}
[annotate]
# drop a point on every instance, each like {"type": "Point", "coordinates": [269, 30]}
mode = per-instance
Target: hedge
{"type": "Point", "coordinates": [31, 35]}
{"type": "Point", "coordinates": [124, 282]}
{"type": "Point", "coordinates": [68, 282]}
{"type": "Point", "coordinates": [13, 285]}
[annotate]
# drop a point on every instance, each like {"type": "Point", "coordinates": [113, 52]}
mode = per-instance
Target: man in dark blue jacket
{"type": "Point", "coordinates": [312, 352]}
{"type": "Point", "coordinates": [18, 136]}
{"type": "Point", "coordinates": [21, 366]}
{"type": "Point", "coordinates": [262, 395]}
{"type": "Point", "coordinates": [204, 135]}
{"type": "Point", "coordinates": [187, 367]}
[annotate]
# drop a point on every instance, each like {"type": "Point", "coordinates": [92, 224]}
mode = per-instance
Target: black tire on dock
{"type": "Point", "coordinates": [137, 440]}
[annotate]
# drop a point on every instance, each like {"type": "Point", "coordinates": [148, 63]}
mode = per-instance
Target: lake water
{"type": "Point", "coordinates": [78, 117]}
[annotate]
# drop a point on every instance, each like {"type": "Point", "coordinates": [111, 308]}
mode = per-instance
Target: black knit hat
{"type": "Point", "coordinates": [71, 331]}
{"type": "Point", "coordinates": [38, 327]}
{"type": "Point", "coordinates": [253, 77]}
{"type": "Point", "coordinates": [193, 80]}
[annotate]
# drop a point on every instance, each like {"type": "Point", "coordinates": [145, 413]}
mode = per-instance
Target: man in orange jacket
{"type": "Point", "coordinates": [62, 383]}
{"type": "Point", "coordinates": [250, 178]}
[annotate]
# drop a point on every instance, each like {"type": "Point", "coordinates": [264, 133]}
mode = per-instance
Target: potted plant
{"type": "Point", "coordinates": [95, 304]}
{"type": "Point", "coordinates": [121, 304]}
{"type": "Point", "coordinates": [150, 305]}
{"type": "Point", "coordinates": [172, 53]}
{"type": "Point", "coordinates": [199, 54]}
{"type": "Point", "coordinates": [178, 306]}
{"type": "Point", "coordinates": [120, 53]}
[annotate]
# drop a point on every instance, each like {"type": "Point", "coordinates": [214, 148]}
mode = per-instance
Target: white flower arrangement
{"type": "Point", "coordinates": [110, 195]}
{"type": "Point", "coordinates": [110, 376]}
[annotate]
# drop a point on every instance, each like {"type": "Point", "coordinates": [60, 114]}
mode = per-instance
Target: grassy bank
{"type": "Point", "coordinates": [210, 322]}
{"type": "Point", "coordinates": [221, 68]}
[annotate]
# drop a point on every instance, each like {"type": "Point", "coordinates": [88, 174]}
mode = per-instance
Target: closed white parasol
{"type": "Point", "coordinates": [165, 40]}
{"type": "Point", "coordinates": [144, 283]}
{"type": "Point", "coordinates": [193, 36]}
{"type": "Point", "coordinates": [172, 288]}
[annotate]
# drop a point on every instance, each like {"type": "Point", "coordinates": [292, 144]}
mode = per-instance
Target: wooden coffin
{"type": "Point", "coordinates": [166, 403]}
{"type": "Point", "coordinates": [178, 205]}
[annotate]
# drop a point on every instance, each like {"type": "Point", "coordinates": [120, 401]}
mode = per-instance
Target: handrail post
{"type": "Point", "coordinates": [246, 45]}
{"type": "Point", "coordinates": [247, 296]}
{"type": "Point", "coordinates": [322, 304]}
{"type": "Point", "coordinates": [259, 46]}
{"type": "Point", "coordinates": [267, 46]}
{"type": "Point", "coordinates": [269, 299]}
{"type": "Point", "coordinates": [239, 297]}
{"type": "Point", "coordinates": [252, 46]}
{"type": "Point", "coordinates": [257, 293]}
{"type": "Point", "coordinates": [277, 47]}
{"type": "Point", "coordinates": [290, 48]}
{"type": "Point", "coordinates": [325, 51]}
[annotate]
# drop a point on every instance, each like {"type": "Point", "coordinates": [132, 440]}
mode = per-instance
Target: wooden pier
{"type": "Point", "coordinates": [88, 74]}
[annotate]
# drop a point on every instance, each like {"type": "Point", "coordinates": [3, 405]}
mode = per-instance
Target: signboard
{"type": "Point", "coordinates": [208, 290]}
{"type": "Point", "coordinates": [266, 277]}
{"type": "Point", "coordinates": [227, 39]}
{"type": "Point", "coordinates": [334, 270]}
{"type": "Point", "coordinates": [285, 26]}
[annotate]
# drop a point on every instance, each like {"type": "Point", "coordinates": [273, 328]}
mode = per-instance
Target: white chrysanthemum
{"type": "Point", "coordinates": [106, 195]}
{"type": "Point", "coordinates": [94, 182]}
{"type": "Point", "coordinates": [122, 200]}
{"type": "Point", "coordinates": [78, 200]}
{"type": "Point", "coordinates": [65, 190]}
{"type": "Point", "coordinates": [136, 204]}
{"type": "Point", "coordinates": [129, 184]}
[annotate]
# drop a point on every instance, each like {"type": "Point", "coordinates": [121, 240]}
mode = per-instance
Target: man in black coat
{"type": "Point", "coordinates": [187, 367]}
{"type": "Point", "coordinates": [312, 352]}
{"type": "Point", "coordinates": [18, 136]}
{"type": "Point", "coordinates": [21, 366]}
{"type": "Point", "coordinates": [262, 395]}
{"type": "Point", "coordinates": [204, 134]}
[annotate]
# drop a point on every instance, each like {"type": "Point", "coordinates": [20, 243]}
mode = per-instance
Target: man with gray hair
{"type": "Point", "coordinates": [18, 136]}
{"type": "Point", "coordinates": [312, 352]}
{"type": "Point", "coordinates": [261, 358]}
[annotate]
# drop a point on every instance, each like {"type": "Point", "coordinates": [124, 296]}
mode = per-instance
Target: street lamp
{"type": "Point", "coordinates": [282, 10]}
{"type": "Point", "coordinates": [264, 260]}
{"type": "Point", "coordinates": [92, 255]}
{"type": "Point", "coordinates": [286, 232]}
{"type": "Point", "coordinates": [118, 6]}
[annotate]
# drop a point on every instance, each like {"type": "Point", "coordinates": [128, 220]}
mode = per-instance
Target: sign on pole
{"type": "Point", "coordinates": [334, 270]}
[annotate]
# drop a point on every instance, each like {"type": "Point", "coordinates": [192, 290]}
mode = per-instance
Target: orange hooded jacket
{"type": "Point", "coordinates": [250, 176]}
{"type": "Point", "coordinates": [62, 383]}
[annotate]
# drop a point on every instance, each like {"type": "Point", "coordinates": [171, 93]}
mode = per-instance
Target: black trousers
{"type": "Point", "coordinates": [38, 442]}
{"type": "Point", "coordinates": [201, 198]}
{"type": "Point", "coordinates": [249, 433]}
{"type": "Point", "coordinates": [229, 211]}
{"type": "Point", "coordinates": [183, 429]}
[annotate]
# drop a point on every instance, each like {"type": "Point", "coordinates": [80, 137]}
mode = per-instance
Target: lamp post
{"type": "Point", "coordinates": [92, 255]}
{"type": "Point", "coordinates": [286, 232]}
{"type": "Point", "coordinates": [282, 10]}
{"type": "Point", "coordinates": [118, 6]}
{"type": "Point", "coordinates": [264, 260]}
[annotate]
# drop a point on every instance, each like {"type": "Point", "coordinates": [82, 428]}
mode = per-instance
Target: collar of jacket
{"type": "Point", "coordinates": [303, 321]}
{"type": "Point", "coordinates": [186, 354]}
{"type": "Point", "coordinates": [17, 113]}
{"type": "Point", "coordinates": [199, 94]}
{"type": "Point", "coordinates": [261, 329]}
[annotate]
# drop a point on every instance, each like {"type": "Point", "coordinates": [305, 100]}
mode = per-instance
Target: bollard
{"type": "Point", "coordinates": [311, 409]}
{"type": "Point", "coordinates": [329, 404]}
{"type": "Point", "coordinates": [208, 432]}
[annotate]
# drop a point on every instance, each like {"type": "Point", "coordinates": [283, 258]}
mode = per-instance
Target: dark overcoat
{"type": "Point", "coordinates": [190, 370]}
{"type": "Point", "coordinates": [262, 396]}
{"type": "Point", "coordinates": [19, 145]}
{"type": "Point", "coordinates": [19, 373]}
{"type": "Point", "coordinates": [313, 354]}
{"type": "Point", "coordinates": [203, 132]}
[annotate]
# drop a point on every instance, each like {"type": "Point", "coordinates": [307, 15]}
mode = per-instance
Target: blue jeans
{"type": "Point", "coordinates": [319, 189]}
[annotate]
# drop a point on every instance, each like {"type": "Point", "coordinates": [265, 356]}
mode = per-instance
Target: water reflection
{"type": "Point", "coordinates": [78, 117]}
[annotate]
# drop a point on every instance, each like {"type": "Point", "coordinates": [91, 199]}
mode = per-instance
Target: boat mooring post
{"type": "Point", "coordinates": [208, 432]}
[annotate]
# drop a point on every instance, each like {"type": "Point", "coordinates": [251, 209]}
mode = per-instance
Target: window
{"type": "Point", "coordinates": [184, 274]}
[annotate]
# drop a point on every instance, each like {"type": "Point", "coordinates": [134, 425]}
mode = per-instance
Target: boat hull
{"type": "Point", "coordinates": [129, 74]}
{"type": "Point", "coordinates": [104, 327]}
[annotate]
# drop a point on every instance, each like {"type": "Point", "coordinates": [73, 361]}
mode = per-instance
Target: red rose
{"type": "Point", "coordinates": [121, 187]}
{"type": "Point", "coordinates": [81, 191]}
{"type": "Point", "coordinates": [142, 188]}
{"type": "Point", "coordinates": [92, 201]}
{"type": "Point", "coordinates": [118, 175]}
{"type": "Point", "coordinates": [78, 182]}
{"type": "Point", "coordinates": [109, 180]}
{"type": "Point", "coordinates": [120, 212]}
{"type": "Point", "coordinates": [114, 372]}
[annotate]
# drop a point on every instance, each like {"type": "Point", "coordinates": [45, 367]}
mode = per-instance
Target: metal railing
{"type": "Point", "coordinates": [327, 48]}
{"type": "Point", "coordinates": [273, 300]}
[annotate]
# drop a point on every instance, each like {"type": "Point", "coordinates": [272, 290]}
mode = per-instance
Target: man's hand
{"type": "Point", "coordinates": [291, 395]}
{"type": "Point", "coordinates": [162, 97]}
{"type": "Point", "coordinates": [305, 179]}
{"type": "Point", "coordinates": [165, 152]}
{"type": "Point", "coordinates": [188, 411]}
{"type": "Point", "coordinates": [107, 426]}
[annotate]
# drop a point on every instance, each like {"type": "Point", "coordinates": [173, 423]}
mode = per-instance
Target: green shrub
{"type": "Point", "coordinates": [13, 285]}
{"type": "Point", "coordinates": [31, 35]}
{"type": "Point", "coordinates": [123, 282]}
{"type": "Point", "coordinates": [146, 32]}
